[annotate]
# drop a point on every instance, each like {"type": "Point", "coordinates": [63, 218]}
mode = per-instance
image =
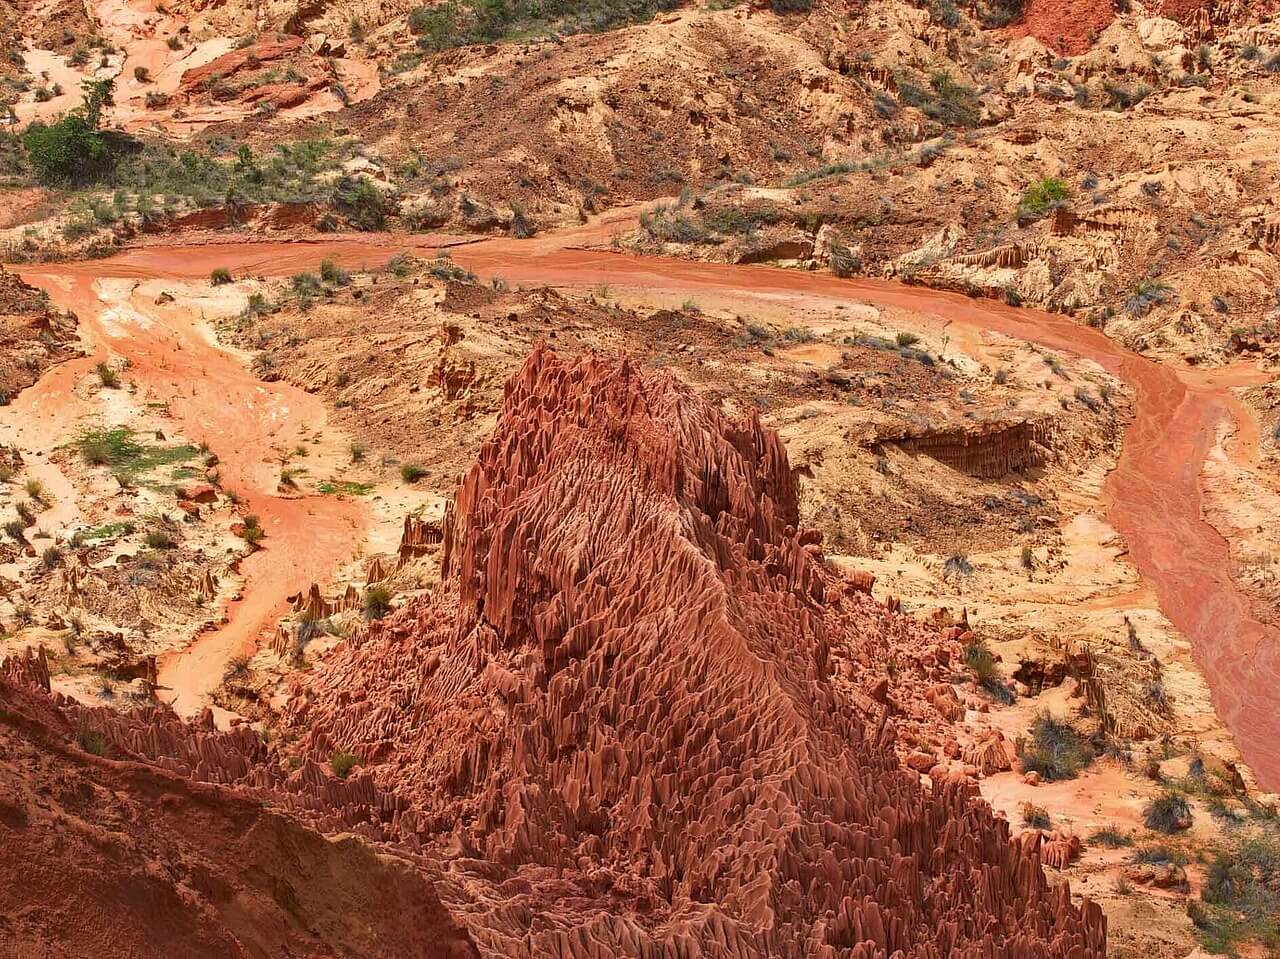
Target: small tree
{"type": "Point", "coordinates": [73, 148]}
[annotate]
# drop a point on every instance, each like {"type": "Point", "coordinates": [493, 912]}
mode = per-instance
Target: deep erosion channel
{"type": "Point", "coordinates": [1153, 496]}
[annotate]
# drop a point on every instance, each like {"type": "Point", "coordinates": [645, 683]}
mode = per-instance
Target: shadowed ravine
{"type": "Point", "coordinates": [1153, 495]}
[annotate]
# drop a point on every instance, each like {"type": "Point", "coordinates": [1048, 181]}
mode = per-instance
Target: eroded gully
{"type": "Point", "coordinates": [1153, 496]}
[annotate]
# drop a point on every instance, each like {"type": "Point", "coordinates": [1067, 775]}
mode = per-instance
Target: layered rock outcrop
{"type": "Point", "coordinates": [641, 716]}
{"type": "Point", "coordinates": [110, 855]}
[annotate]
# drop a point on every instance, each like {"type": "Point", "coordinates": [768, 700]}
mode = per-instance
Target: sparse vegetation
{"type": "Point", "coordinates": [1042, 198]}
{"type": "Point", "coordinates": [119, 448]}
{"type": "Point", "coordinates": [1167, 813]}
{"type": "Point", "coordinates": [412, 472]}
{"type": "Point", "coordinates": [333, 274]}
{"type": "Point", "coordinates": [957, 566]}
{"type": "Point", "coordinates": [456, 23]}
{"type": "Point", "coordinates": [342, 762]}
{"type": "Point", "coordinates": [220, 277]}
{"type": "Point", "coordinates": [376, 602]}
{"type": "Point", "coordinates": [1146, 295]}
{"type": "Point", "coordinates": [1111, 838]}
{"type": "Point", "coordinates": [107, 376]}
{"type": "Point", "coordinates": [1035, 816]}
{"type": "Point", "coordinates": [1055, 749]}
{"type": "Point", "coordinates": [158, 539]}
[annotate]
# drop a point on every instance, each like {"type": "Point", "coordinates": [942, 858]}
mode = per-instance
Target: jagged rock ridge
{"type": "Point", "coordinates": [643, 718]}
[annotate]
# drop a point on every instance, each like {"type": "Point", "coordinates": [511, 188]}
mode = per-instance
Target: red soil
{"type": "Point", "coordinates": [654, 721]}
{"type": "Point", "coordinates": [1068, 26]}
{"type": "Point", "coordinates": [116, 857]}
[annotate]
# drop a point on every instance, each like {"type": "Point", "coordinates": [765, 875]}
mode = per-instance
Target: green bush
{"type": "Point", "coordinates": [342, 763]}
{"type": "Point", "coordinates": [947, 101]}
{"type": "Point", "coordinates": [377, 602]}
{"type": "Point", "coordinates": [1042, 198]}
{"type": "Point", "coordinates": [1111, 837]}
{"type": "Point", "coordinates": [68, 151]}
{"type": "Point", "coordinates": [412, 472]}
{"type": "Point", "coordinates": [108, 377]}
{"type": "Point", "coordinates": [1055, 750]}
{"type": "Point", "coordinates": [220, 277]}
{"type": "Point", "coordinates": [360, 202]}
{"type": "Point", "coordinates": [158, 539]}
{"type": "Point", "coordinates": [1167, 813]}
{"type": "Point", "coordinates": [331, 273]}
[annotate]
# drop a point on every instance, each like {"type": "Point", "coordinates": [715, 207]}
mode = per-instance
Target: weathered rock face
{"type": "Point", "coordinates": [33, 336]}
{"type": "Point", "coordinates": [642, 718]}
{"type": "Point", "coordinates": [109, 856]}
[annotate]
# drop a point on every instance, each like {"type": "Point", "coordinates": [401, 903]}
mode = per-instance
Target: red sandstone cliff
{"type": "Point", "coordinates": [642, 718]}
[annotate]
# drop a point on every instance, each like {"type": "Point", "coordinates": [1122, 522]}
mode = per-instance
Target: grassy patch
{"type": "Point", "coordinates": [1240, 899]}
{"type": "Point", "coordinates": [377, 602]}
{"type": "Point", "coordinates": [1111, 837]}
{"type": "Point", "coordinates": [1167, 813]}
{"type": "Point", "coordinates": [118, 448]}
{"type": "Point", "coordinates": [344, 488]}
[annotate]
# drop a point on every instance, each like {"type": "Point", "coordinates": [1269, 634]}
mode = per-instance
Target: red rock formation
{"type": "Point", "coordinates": [109, 856]}
{"type": "Point", "coordinates": [642, 718]}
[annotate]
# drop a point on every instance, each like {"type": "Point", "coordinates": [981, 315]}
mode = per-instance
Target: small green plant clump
{"type": "Point", "coordinates": [251, 530]}
{"type": "Point", "coordinates": [220, 277]}
{"type": "Point", "coordinates": [412, 472]}
{"type": "Point", "coordinates": [1055, 749]}
{"type": "Point", "coordinates": [1035, 816]}
{"type": "Point", "coordinates": [1042, 198]}
{"type": "Point", "coordinates": [1167, 813]}
{"type": "Point", "coordinates": [342, 762]}
{"type": "Point", "coordinates": [377, 602]}
{"type": "Point", "coordinates": [1111, 838]}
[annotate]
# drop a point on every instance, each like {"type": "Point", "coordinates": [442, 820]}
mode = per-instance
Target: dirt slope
{"type": "Point", "coordinates": [111, 857]}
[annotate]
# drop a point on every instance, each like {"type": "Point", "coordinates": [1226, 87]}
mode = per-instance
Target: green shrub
{"type": "Point", "coordinates": [672, 227]}
{"type": "Point", "coordinates": [1055, 749]}
{"type": "Point", "coordinates": [412, 472]}
{"type": "Point", "coordinates": [68, 151]}
{"type": "Point", "coordinates": [946, 101]}
{"type": "Point", "coordinates": [158, 539]}
{"type": "Point", "coordinates": [377, 602]}
{"type": "Point", "coordinates": [360, 202]}
{"type": "Point", "coordinates": [220, 277]}
{"type": "Point", "coordinates": [93, 742]}
{"type": "Point", "coordinates": [1147, 295]}
{"type": "Point", "coordinates": [1035, 816]}
{"type": "Point", "coordinates": [331, 273]}
{"type": "Point", "coordinates": [1167, 813]}
{"type": "Point", "coordinates": [342, 763]}
{"type": "Point", "coordinates": [1111, 837]}
{"type": "Point", "coordinates": [108, 377]}
{"type": "Point", "coordinates": [522, 227]}
{"type": "Point", "coordinates": [1042, 198]}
